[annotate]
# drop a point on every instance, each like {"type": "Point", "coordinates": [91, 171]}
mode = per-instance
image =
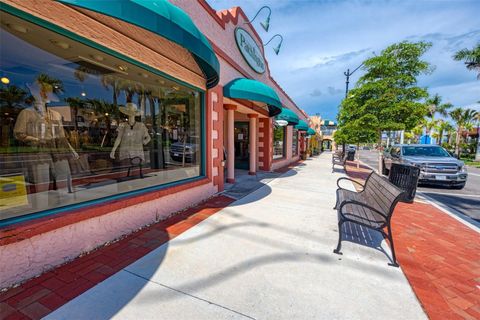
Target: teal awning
{"type": "Point", "coordinates": [164, 19]}
{"type": "Point", "coordinates": [289, 116]}
{"type": "Point", "coordinates": [311, 132]}
{"type": "Point", "coordinates": [253, 90]}
{"type": "Point", "coordinates": [302, 126]}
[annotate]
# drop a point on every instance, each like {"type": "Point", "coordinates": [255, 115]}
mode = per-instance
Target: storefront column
{"type": "Point", "coordinates": [230, 142]}
{"type": "Point", "coordinates": [253, 143]}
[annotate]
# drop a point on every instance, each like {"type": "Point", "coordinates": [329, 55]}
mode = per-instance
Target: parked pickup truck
{"type": "Point", "coordinates": [436, 164]}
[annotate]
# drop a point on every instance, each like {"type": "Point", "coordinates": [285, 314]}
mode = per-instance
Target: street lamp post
{"type": "Point", "coordinates": [348, 74]}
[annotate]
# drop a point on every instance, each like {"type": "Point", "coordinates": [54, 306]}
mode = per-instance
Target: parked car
{"type": "Point", "coordinates": [436, 165]}
{"type": "Point", "coordinates": [190, 148]}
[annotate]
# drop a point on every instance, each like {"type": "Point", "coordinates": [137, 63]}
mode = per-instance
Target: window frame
{"type": "Point", "coordinates": [284, 147]}
{"type": "Point", "coordinates": [129, 194]}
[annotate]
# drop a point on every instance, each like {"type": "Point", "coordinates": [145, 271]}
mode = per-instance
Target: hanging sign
{"type": "Point", "coordinates": [250, 50]}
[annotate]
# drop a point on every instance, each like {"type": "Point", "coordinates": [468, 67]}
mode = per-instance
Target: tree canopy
{"type": "Point", "coordinates": [387, 94]}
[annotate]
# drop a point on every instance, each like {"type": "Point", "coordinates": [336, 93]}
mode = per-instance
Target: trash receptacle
{"type": "Point", "coordinates": [406, 178]}
{"type": "Point", "coordinates": [351, 155]}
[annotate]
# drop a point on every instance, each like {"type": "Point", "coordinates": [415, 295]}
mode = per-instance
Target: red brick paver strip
{"type": "Point", "coordinates": [439, 255]}
{"type": "Point", "coordinates": [40, 296]}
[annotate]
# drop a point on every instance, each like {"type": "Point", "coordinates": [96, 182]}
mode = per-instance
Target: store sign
{"type": "Point", "coordinates": [250, 50]}
{"type": "Point", "coordinates": [13, 192]}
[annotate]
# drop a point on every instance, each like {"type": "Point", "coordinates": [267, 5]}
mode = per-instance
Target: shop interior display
{"type": "Point", "coordinates": [76, 122]}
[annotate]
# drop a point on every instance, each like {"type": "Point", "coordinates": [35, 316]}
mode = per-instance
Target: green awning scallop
{"type": "Point", "coordinates": [289, 116]}
{"type": "Point", "coordinates": [248, 89]}
{"type": "Point", "coordinates": [164, 19]}
{"type": "Point", "coordinates": [302, 126]}
{"type": "Point", "coordinates": [311, 132]}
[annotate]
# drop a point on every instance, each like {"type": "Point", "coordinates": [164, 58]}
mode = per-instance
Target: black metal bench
{"type": "Point", "coordinates": [339, 159]}
{"type": "Point", "coordinates": [372, 207]}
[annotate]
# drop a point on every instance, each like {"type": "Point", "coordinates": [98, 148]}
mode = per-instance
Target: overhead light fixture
{"type": "Point", "coordinates": [5, 80]}
{"type": "Point", "coordinates": [281, 123]}
{"type": "Point", "coordinates": [266, 24]}
{"type": "Point", "coordinates": [97, 57]}
{"type": "Point", "coordinates": [60, 44]}
{"type": "Point", "coordinates": [142, 74]}
{"type": "Point", "coordinates": [122, 68]}
{"type": "Point", "coordinates": [277, 48]}
{"type": "Point", "coordinates": [160, 81]}
{"type": "Point", "coordinates": [18, 28]}
{"type": "Point", "coordinates": [175, 88]}
{"type": "Point", "coordinates": [83, 94]}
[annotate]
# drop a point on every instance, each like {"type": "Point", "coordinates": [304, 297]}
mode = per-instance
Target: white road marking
{"type": "Point", "coordinates": [473, 174]}
{"type": "Point", "coordinates": [457, 215]}
{"type": "Point", "coordinates": [453, 194]}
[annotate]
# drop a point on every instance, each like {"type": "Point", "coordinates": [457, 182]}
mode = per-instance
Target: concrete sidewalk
{"type": "Point", "coordinates": [266, 256]}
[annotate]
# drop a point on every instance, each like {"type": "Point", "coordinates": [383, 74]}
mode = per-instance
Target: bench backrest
{"type": "Point", "coordinates": [381, 194]}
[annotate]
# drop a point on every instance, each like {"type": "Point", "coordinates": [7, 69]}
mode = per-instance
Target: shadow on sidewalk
{"type": "Point", "coordinates": [363, 236]}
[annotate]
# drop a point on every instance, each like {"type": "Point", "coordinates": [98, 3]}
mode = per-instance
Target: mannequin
{"type": "Point", "coordinates": [132, 136]}
{"type": "Point", "coordinates": [42, 129]}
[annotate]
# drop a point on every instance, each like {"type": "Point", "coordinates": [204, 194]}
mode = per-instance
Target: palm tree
{"type": "Point", "coordinates": [470, 57]}
{"type": "Point", "coordinates": [435, 106]}
{"type": "Point", "coordinates": [463, 118]}
{"type": "Point", "coordinates": [49, 85]}
{"type": "Point", "coordinates": [441, 128]}
{"type": "Point", "coordinates": [12, 98]}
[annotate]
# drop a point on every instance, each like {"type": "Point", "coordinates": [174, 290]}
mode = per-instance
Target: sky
{"type": "Point", "coordinates": [324, 38]}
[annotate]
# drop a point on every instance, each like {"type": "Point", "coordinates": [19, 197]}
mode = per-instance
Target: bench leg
{"type": "Point", "coordinates": [390, 239]}
{"type": "Point", "coordinates": [339, 245]}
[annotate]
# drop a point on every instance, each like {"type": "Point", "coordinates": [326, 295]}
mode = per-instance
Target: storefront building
{"type": "Point", "coordinates": [115, 115]}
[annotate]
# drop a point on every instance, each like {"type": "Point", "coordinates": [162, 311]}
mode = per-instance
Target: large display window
{"type": "Point", "coordinates": [279, 136]}
{"type": "Point", "coordinates": [77, 124]}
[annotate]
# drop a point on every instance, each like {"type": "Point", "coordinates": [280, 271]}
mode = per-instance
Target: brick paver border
{"type": "Point", "coordinates": [439, 255]}
{"type": "Point", "coordinates": [40, 296]}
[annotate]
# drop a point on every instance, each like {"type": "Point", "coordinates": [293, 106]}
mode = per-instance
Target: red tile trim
{"type": "Point", "coordinates": [25, 230]}
{"type": "Point", "coordinates": [39, 296]}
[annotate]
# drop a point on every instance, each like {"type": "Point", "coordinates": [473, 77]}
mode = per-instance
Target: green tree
{"type": "Point", "coordinates": [471, 58]}
{"type": "Point", "coordinates": [463, 119]}
{"type": "Point", "coordinates": [388, 91]}
{"type": "Point", "coordinates": [362, 130]}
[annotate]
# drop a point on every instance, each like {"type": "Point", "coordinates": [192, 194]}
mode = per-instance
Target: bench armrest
{"type": "Point", "coordinates": [363, 205]}
{"type": "Point", "coordinates": [354, 181]}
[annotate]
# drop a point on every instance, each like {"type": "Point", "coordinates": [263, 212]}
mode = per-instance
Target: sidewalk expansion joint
{"type": "Point", "coordinates": [190, 295]}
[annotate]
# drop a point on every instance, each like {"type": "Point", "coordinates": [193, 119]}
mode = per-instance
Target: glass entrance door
{"type": "Point", "coordinates": [241, 146]}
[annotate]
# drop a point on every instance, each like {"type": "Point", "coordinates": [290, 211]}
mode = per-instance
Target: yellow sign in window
{"type": "Point", "coordinates": [13, 192]}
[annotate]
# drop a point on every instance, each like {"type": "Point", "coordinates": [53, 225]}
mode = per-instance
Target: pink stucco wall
{"type": "Point", "coordinates": [33, 256]}
{"type": "Point", "coordinates": [225, 40]}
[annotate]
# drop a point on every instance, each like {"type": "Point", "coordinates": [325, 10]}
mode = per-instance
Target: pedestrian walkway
{"type": "Point", "coordinates": [439, 255]}
{"type": "Point", "coordinates": [265, 256]}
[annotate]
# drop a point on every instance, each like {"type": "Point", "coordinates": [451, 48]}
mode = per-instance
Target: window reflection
{"type": "Point", "coordinates": [279, 135]}
{"type": "Point", "coordinates": [77, 124]}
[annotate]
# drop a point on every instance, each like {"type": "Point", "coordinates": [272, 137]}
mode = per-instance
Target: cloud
{"type": "Point", "coordinates": [322, 39]}
{"type": "Point", "coordinates": [332, 91]}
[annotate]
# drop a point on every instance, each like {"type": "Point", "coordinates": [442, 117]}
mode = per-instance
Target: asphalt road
{"type": "Point", "coordinates": [465, 201]}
